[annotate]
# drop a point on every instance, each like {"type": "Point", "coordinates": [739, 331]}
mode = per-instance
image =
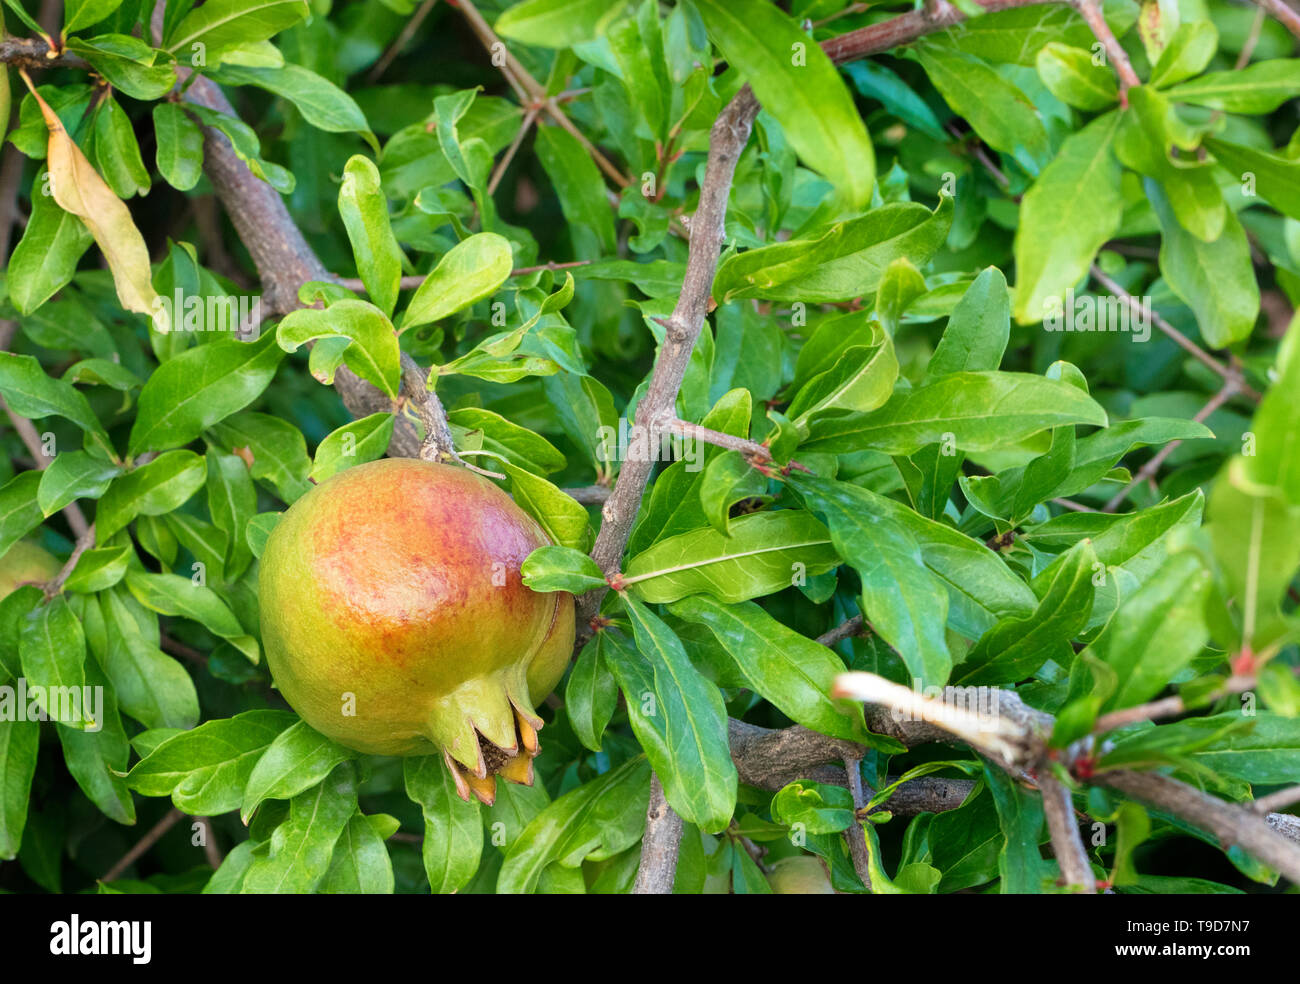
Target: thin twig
{"type": "Point", "coordinates": [140, 847]}
{"type": "Point", "coordinates": [413, 281]}
{"type": "Point", "coordinates": [26, 431]}
{"type": "Point", "coordinates": [529, 117]}
{"type": "Point", "coordinates": [1276, 802]}
{"type": "Point", "coordinates": [400, 42]}
{"type": "Point", "coordinates": [1167, 706]}
{"type": "Point", "coordinates": [1226, 371]}
{"type": "Point", "coordinates": [755, 452]}
{"type": "Point", "coordinates": [1283, 13]}
{"type": "Point", "coordinates": [854, 626]}
{"type": "Point", "coordinates": [1067, 845]}
{"type": "Point", "coordinates": [1091, 12]}
{"type": "Point", "coordinates": [588, 495]}
{"type": "Point", "coordinates": [84, 542]}
{"type": "Point", "coordinates": [1148, 470]}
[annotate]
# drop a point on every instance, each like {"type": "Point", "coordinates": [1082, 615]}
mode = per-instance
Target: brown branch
{"type": "Point", "coordinates": [1227, 372]}
{"type": "Point", "coordinates": [1090, 11]}
{"type": "Point", "coordinates": [1166, 706]}
{"type": "Point", "coordinates": [32, 53]}
{"type": "Point", "coordinates": [854, 626]}
{"type": "Point", "coordinates": [1279, 10]}
{"type": "Point", "coordinates": [1231, 824]}
{"type": "Point", "coordinates": [589, 495]}
{"type": "Point", "coordinates": [1276, 802]}
{"type": "Point", "coordinates": [400, 42]}
{"type": "Point", "coordinates": [415, 280]}
{"type": "Point", "coordinates": [143, 844]}
{"type": "Point", "coordinates": [26, 431]}
{"type": "Point", "coordinates": [437, 444]}
{"type": "Point", "coordinates": [755, 452]}
{"type": "Point", "coordinates": [1067, 845]}
{"type": "Point", "coordinates": [84, 542]}
{"type": "Point", "coordinates": [500, 171]}
{"type": "Point", "coordinates": [659, 845]}
{"type": "Point", "coordinates": [1148, 470]}
{"type": "Point", "coordinates": [855, 834]}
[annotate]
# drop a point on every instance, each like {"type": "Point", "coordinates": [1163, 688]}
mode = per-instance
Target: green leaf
{"type": "Point", "coordinates": [581, 190]}
{"type": "Point", "coordinates": [98, 570]}
{"type": "Point", "coordinates": [861, 380]}
{"type": "Point", "coordinates": [171, 594]}
{"type": "Point", "coordinates": [1019, 645]}
{"type": "Point", "coordinates": [1156, 632]}
{"type": "Point", "coordinates": [232, 501]}
{"type": "Point", "coordinates": [1215, 279]}
{"type": "Point", "coordinates": [246, 145]}
{"type": "Point", "coordinates": [82, 13]}
{"type": "Point", "coordinates": [1275, 178]}
{"type": "Point", "coordinates": [1073, 208]}
{"type": "Point", "coordinates": [97, 760]}
{"type": "Point", "coordinates": [678, 717]}
{"type": "Point", "coordinates": [19, 512]}
{"type": "Point", "coordinates": [1072, 77]}
{"type": "Point", "coordinates": [814, 808]}
{"type": "Point", "coordinates": [361, 865]}
{"type": "Point", "coordinates": [205, 770]}
{"type": "Point", "coordinates": [353, 444]}
{"type": "Point", "coordinates": [1000, 113]}
{"type": "Point", "coordinates": [1188, 52]}
{"type": "Point", "coordinates": [978, 328]}
{"type": "Point", "coordinates": [30, 393]}
{"type": "Point", "coordinates": [563, 519]}
{"type": "Point", "coordinates": [560, 568]}
{"type": "Point", "coordinates": [278, 449]}
{"type": "Point", "coordinates": [1258, 88]}
{"type": "Point", "coordinates": [453, 832]}
{"type": "Point", "coordinates": [322, 104]}
{"type": "Point", "coordinates": [794, 673]}
{"type": "Point", "coordinates": [151, 686]}
{"type": "Point", "coordinates": [557, 23]}
{"type": "Point", "coordinates": [846, 261]}
{"type": "Point", "coordinates": [301, 847]}
{"type": "Point", "coordinates": [128, 64]}
{"type": "Point", "coordinates": [45, 259]}
{"type": "Point", "coordinates": [296, 760]}
{"type": "Point", "coordinates": [200, 387]}
{"type": "Point", "coordinates": [1020, 817]}
{"type": "Point", "coordinates": [591, 694]}
{"type": "Point", "coordinates": [596, 821]}
{"type": "Point", "coordinates": [974, 411]}
{"type": "Point", "coordinates": [766, 551]}
{"type": "Point", "coordinates": [900, 596]}
{"type": "Point", "coordinates": [728, 479]}
{"type": "Point", "coordinates": [150, 490]}
{"type": "Point", "coordinates": [364, 209]}
{"type": "Point", "coordinates": [798, 84]}
{"type": "Point", "coordinates": [179, 153]}
{"type": "Point", "coordinates": [19, 741]}
{"type": "Point", "coordinates": [374, 354]}
{"type": "Point", "coordinates": [219, 25]}
{"type": "Point", "coordinates": [470, 271]}
{"type": "Point", "coordinates": [52, 648]}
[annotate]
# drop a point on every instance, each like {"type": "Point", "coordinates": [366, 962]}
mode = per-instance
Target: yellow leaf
{"type": "Point", "coordinates": [79, 189]}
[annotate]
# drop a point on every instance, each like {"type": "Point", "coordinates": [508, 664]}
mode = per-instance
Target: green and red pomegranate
{"type": "Point", "coordinates": [396, 622]}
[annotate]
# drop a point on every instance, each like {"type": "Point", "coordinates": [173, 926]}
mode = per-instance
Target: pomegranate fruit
{"type": "Point", "coordinates": [26, 563]}
{"type": "Point", "coordinates": [801, 875]}
{"type": "Point", "coordinates": [395, 620]}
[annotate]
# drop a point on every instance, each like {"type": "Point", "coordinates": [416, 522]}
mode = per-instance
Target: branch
{"type": "Point", "coordinates": [84, 542]}
{"type": "Point", "coordinates": [1231, 824]}
{"type": "Point", "coordinates": [1279, 10]}
{"type": "Point", "coordinates": [1167, 706]}
{"type": "Point", "coordinates": [854, 626]}
{"type": "Point", "coordinates": [659, 845]}
{"type": "Point", "coordinates": [36, 53]}
{"type": "Point", "coordinates": [1228, 373]}
{"type": "Point", "coordinates": [1277, 801]}
{"type": "Point", "coordinates": [855, 835]}
{"type": "Point", "coordinates": [1067, 845]}
{"type": "Point", "coordinates": [437, 444]}
{"type": "Point", "coordinates": [1090, 11]}
{"type": "Point", "coordinates": [143, 844]}
{"type": "Point", "coordinates": [32, 441]}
